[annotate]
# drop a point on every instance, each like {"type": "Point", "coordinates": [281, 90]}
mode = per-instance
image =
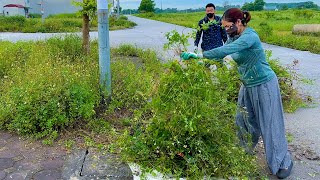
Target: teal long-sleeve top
{"type": "Point", "coordinates": [249, 55]}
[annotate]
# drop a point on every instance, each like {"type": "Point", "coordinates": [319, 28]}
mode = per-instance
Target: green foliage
{"type": "Point", "coordinates": [66, 49]}
{"type": "Point", "coordinates": [305, 14]}
{"type": "Point", "coordinates": [43, 93]}
{"type": "Point", "coordinates": [257, 5]}
{"type": "Point", "coordinates": [120, 23]}
{"type": "Point", "coordinates": [88, 7]}
{"type": "Point", "coordinates": [134, 75]}
{"type": "Point", "coordinates": [146, 6]}
{"type": "Point", "coordinates": [34, 15]}
{"type": "Point", "coordinates": [147, 15]}
{"type": "Point", "coordinates": [178, 43]}
{"type": "Point", "coordinates": [269, 14]}
{"type": "Point", "coordinates": [11, 22]}
{"type": "Point", "coordinates": [57, 23]}
{"type": "Point", "coordinates": [64, 15]}
{"type": "Point", "coordinates": [266, 30]}
{"type": "Point", "coordinates": [69, 144]}
{"type": "Point", "coordinates": [99, 126]}
{"type": "Point", "coordinates": [197, 101]}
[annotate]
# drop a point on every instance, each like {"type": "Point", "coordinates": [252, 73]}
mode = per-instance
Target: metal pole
{"type": "Point", "coordinates": [104, 45]}
{"type": "Point", "coordinates": [118, 8]}
{"type": "Point", "coordinates": [42, 12]}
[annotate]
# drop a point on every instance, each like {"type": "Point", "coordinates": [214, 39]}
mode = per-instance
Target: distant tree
{"type": "Point", "coordinates": [147, 6]}
{"type": "Point", "coordinates": [129, 11]}
{"type": "Point", "coordinates": [257, 5]}
{"type": "Point", "coordinates": [115, 9]}
{"type": "Point", "coordinates": [310, 5]}
{"type": "Point", "coordinates": [284, 7]}
{"type": "Point", "coordinates": [248, 7]}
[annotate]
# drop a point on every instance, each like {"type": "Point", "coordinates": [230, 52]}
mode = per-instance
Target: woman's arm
{"type": "Point", "coordinates": [245, 41]}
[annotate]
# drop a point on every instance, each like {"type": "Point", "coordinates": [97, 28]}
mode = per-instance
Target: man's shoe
{"type": "Point", "coordinates": [283, 173]}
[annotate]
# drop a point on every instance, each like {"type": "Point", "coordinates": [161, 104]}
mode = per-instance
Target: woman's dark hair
{"type": "Point", "coordinates": [233, 14]}
{"type": "Point", "coordinates": [211, 5]}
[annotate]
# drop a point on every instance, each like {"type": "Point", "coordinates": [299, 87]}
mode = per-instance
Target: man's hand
{"type": "Point", "coordinates": [188, 55]}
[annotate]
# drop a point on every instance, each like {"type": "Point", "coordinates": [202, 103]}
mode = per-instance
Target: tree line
{"type": "Point", "coordinates": [257, 5]}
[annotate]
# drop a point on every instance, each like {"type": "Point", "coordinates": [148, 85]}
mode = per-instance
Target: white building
{"type": "Point", "coordinates": [14, 10]}
{"type": "Point", "coordinates": [14, 7]}
{"type": "Point", "coordinates": [48, 6]}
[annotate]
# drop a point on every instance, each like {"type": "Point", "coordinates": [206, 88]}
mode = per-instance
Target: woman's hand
{"type": "Point", "coordinates": [188, 55]}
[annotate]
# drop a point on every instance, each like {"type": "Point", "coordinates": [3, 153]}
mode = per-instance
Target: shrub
{"type": "Point", "coordinates": [307, 14]}
{"type": "Point", "coordinates": [11, 23]}
{"type": "Point", "coordinates": [64, 15]}
{"type": "Point", "coordinates": [265, 30]}
{"type": "Point", "coordinates": [43, 94]}
{"type": "Point", "coordinates": [190, 131]}
{"type": "Point", "coordinates": [34, 15]}
{"type": "Point", "coordinates": [67, 48]}
{"type": "Point", "coordinates": [133, 72]}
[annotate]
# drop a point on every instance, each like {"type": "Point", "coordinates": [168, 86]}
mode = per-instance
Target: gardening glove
{"type": "Point", "coordinates": [188, 55]}
{"type": "Point", "coordinates": [200, 62]}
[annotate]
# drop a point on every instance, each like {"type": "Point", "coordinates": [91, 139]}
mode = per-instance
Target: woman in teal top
{"type": "Point", "coordinates": [260, 111]}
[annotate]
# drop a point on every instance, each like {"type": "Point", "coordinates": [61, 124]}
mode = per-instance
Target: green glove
{"type": "Point", "coordinates": [188, 55]}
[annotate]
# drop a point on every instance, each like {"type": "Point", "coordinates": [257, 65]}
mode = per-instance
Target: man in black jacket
{"type": "Point", "coordinates": [213, 35]}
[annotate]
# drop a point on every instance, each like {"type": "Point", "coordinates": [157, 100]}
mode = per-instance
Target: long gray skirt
{"type": "Point", "coordinates": [260, 113]}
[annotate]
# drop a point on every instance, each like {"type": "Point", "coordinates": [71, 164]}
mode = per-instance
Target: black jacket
{"type": "Point", "coordinates": [212, 37]}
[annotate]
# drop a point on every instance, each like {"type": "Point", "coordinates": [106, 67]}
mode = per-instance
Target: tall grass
{"type": "Point", "coordinates": [57, 23]}
{"type": "Point", "coordinates": [280, 22]}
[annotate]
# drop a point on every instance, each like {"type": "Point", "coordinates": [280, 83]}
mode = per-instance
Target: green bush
{"type": "Point", "coordinates": [190, 131]}
{"type": "Point", "coordinates": [306, 14]}
{"type": "Point", "coordinates": [11, 23]}
{"type": "Point", "coordinates": [42, 93]}
{"type": "Point", "coordinates": [265, 30]}
{"type": "Point", "coordinates": [56, 23]}
{"type": "Point", "coordinates": [120, 23]}
{"type": "Point", "coordinates": [133, 77]}
{"type": "Point", "coordinates": [34, 15]}
{"type": "Point", "coordinates": [66, 49]}
{"type": "Point", "coordinates": [64, 15]}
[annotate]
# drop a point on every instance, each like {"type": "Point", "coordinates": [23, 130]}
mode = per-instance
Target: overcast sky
{"type": "Point", "coordinates": [184, 4]}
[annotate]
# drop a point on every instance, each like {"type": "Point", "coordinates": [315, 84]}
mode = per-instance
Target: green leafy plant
{"type": "Point", "coordinates": [205, 144]}
{"type": "Point", "coordinates": [44, 94]}
{"type": "Point", "coordinates": [205, 26]}
{"type": "Point", "coordinates": [265, 30]}
{"type": "Point", "coordinates": [177, 42]}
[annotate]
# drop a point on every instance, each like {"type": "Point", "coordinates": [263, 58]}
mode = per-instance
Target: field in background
{"type": "Point", "coordinates": [57, 23]}
{"type": "Point", "coordinates": [274, 27]}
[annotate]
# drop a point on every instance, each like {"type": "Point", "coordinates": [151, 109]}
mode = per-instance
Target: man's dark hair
{"type": "Point", "coordinates": [211, 5]}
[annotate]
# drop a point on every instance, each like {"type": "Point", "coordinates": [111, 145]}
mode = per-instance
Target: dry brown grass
{"type": "Point", "coordinates": [306, 28]}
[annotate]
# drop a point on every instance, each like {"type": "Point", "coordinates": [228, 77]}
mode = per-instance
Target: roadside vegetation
{"type": "Point", "coordinates": [274, 27]}
{"type": "Point", "coordinates": [50, 89]}
{"type": "Point", "coordinates": [57, 23]}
